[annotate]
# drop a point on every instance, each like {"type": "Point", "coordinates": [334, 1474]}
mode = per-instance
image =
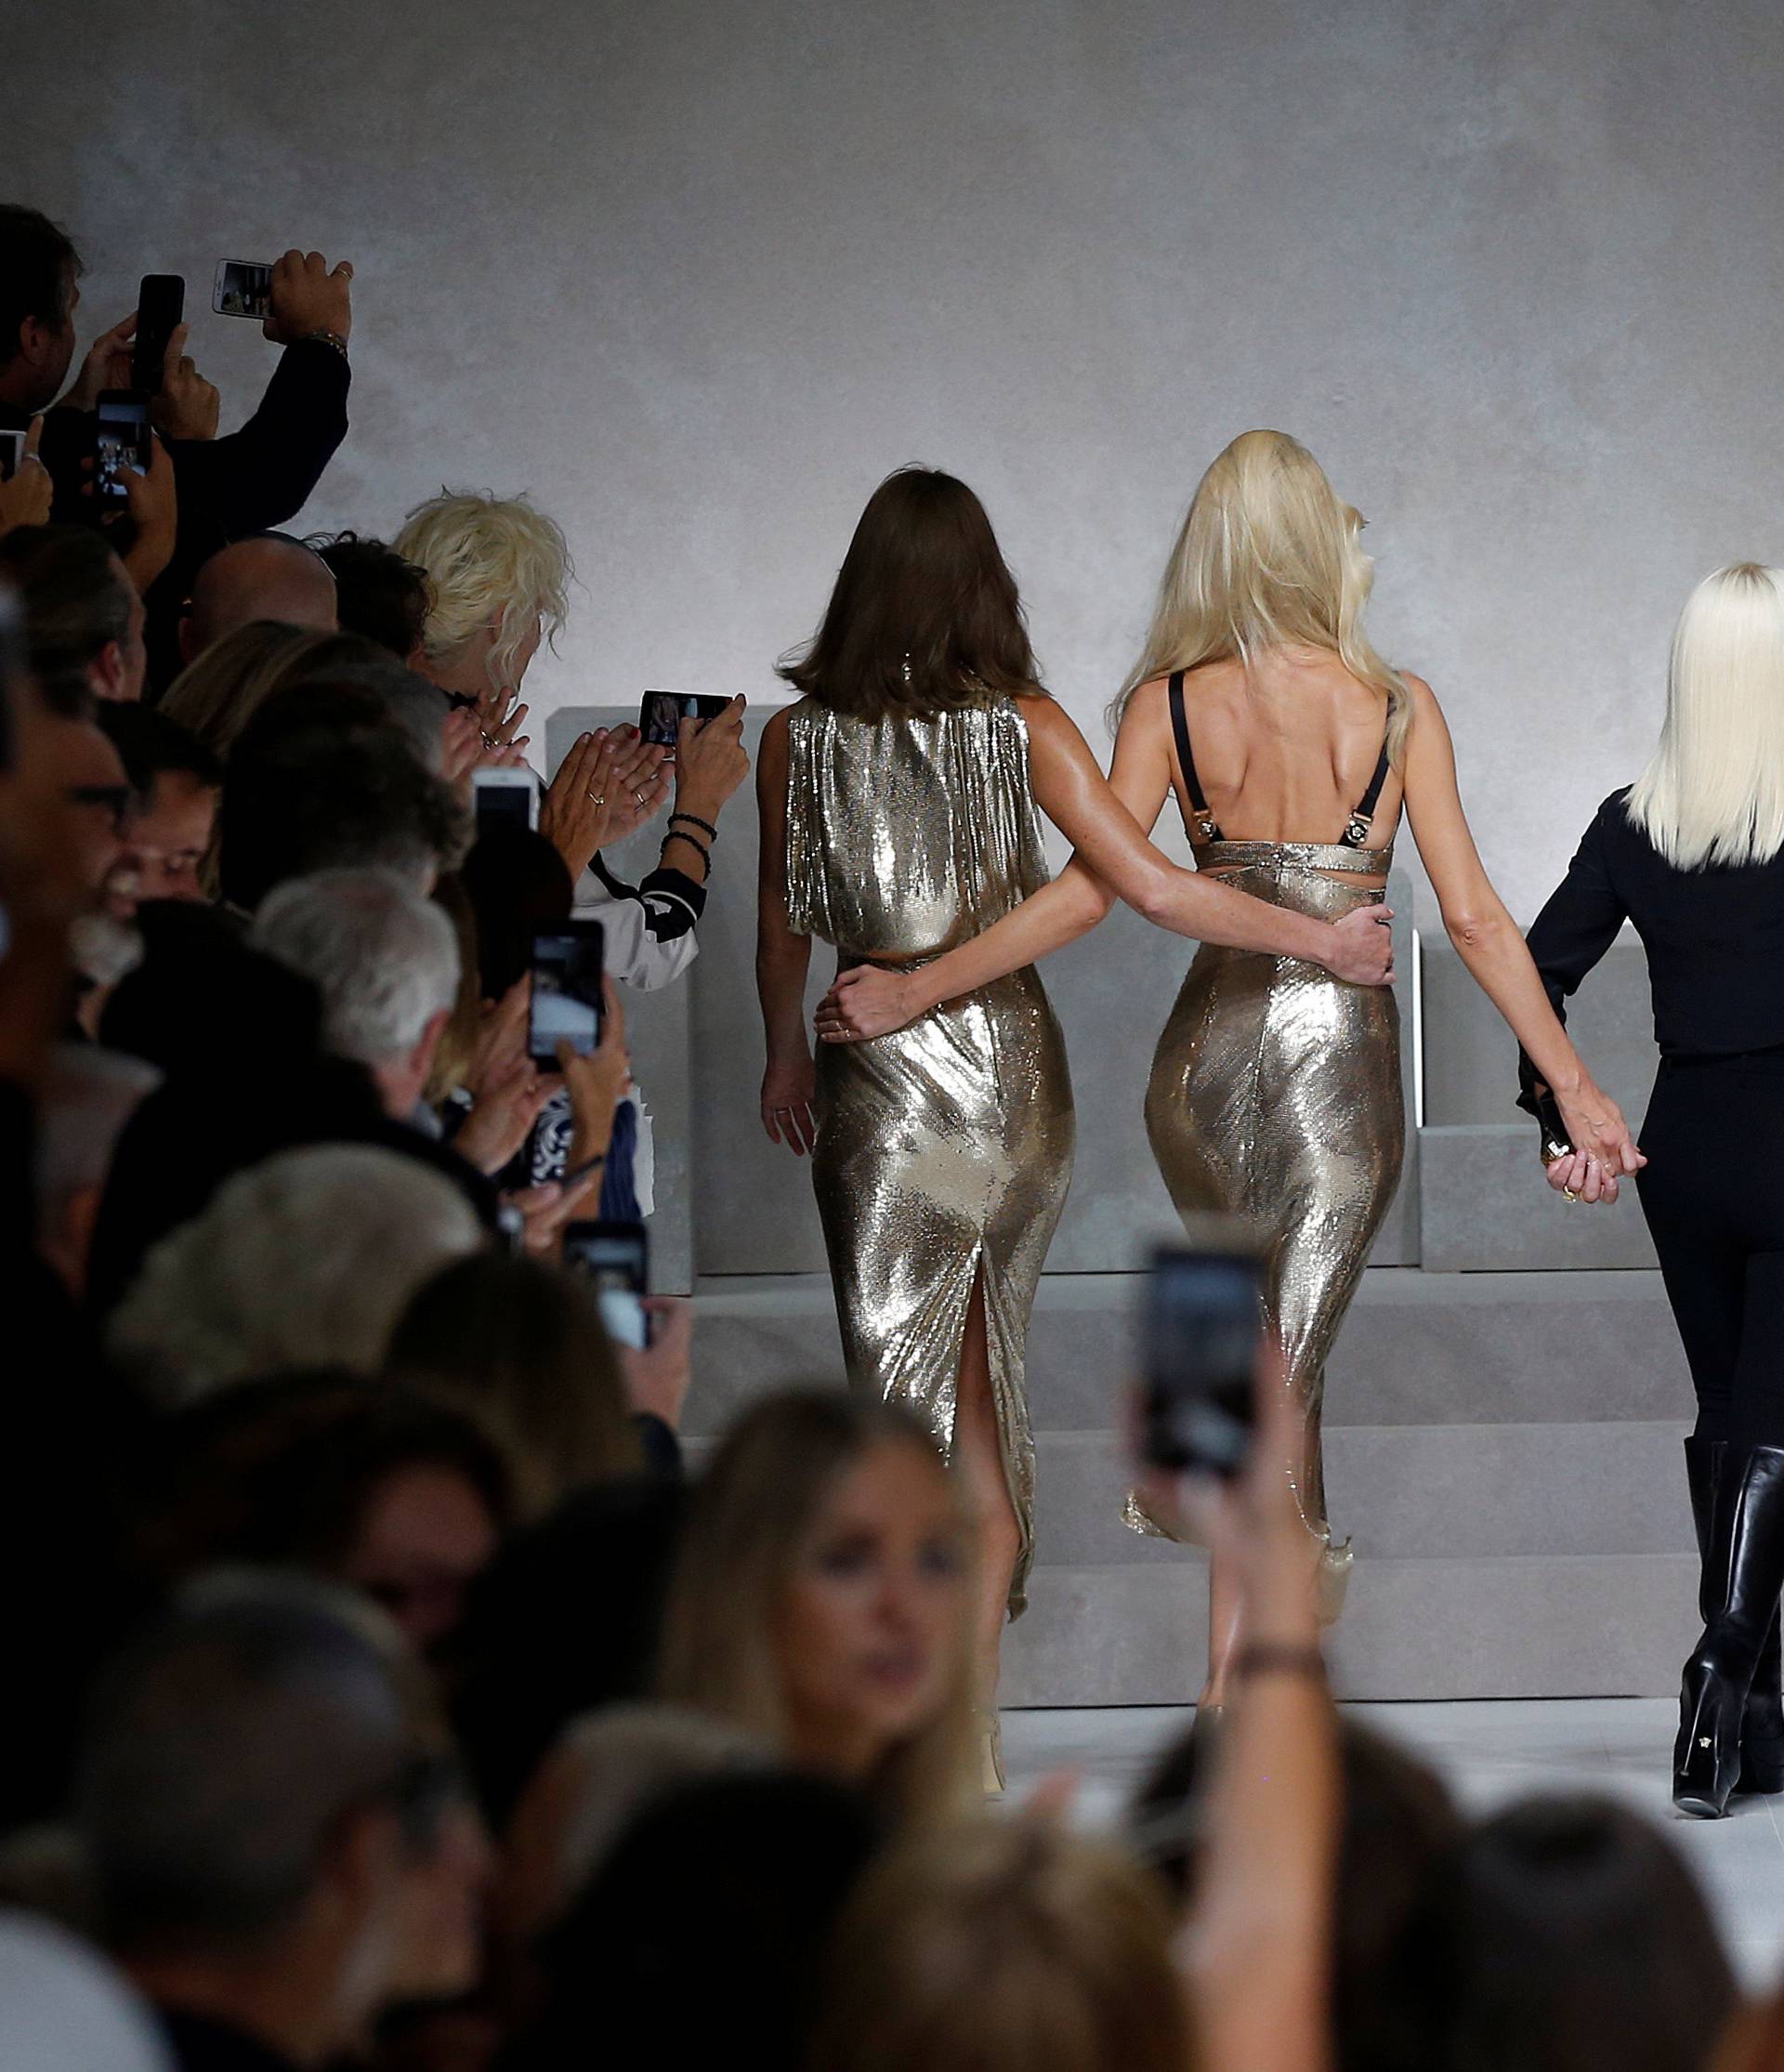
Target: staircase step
{"type": "Point", "coordinates": [1560, 1626]}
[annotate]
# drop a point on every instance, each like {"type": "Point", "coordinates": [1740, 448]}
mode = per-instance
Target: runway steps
{"type": "Point", "coordinates": [1503, 1449]}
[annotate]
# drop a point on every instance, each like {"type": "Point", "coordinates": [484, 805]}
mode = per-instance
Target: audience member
{"type": "Point", "coordinates": [175, 781]}
{"type": "Point", "coordinates": [215, 696]}
{"type": "Point", "coordinates": [263, 1779]}
{"type": "Point", "coordinates": [1004, 1948]}
{"type": "Point", "coordinates": [820, 1599]}
{"type": "Point", "coordinates": [87, 1098]}
{"type": "Point", "coordinates": [384, 961]}
{"type": "Point", "coordinates": [266, 576]}
{"type": "Point", "coordinates": [360, 1483]}
{"type": "Point", "coordinates": [306, 1261]}
{"type": "Point", "coordinates": [82, 617]}
{"type": "Point", "coordinates": [378, 594]}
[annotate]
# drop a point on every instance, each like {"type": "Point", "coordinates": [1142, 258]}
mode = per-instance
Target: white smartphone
{"type": "Point", "coordinates": [241, 288]}
{"type": "Point", "coordinates": [12, 454]}
{"type": "Point", "coordinates": [504, 798]}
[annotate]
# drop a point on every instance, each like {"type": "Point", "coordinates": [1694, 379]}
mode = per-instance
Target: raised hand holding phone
{"type": "Point", "coordinates": [305, 295]}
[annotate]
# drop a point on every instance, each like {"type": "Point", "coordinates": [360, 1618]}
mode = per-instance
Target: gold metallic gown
{"type": "Point", "coordinates": [1275, 1095]}
{"type": "Point", "coordinates": [944, 1149]}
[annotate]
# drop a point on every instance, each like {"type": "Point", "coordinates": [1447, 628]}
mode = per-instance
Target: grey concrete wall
{"type": "Point", "coordinates": [699, 273]}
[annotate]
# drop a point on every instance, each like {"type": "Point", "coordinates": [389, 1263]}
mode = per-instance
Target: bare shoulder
{"type": "Point", "coordinates": [1424, 698]}
{"type": "Point", "coordinates": [1147, 705]}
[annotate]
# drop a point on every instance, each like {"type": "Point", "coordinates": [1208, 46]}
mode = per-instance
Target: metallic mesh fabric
{"type": "Point", "coordinates": [1275, 1095]}
{"type": "Point", "coordinates": [944, 1151]}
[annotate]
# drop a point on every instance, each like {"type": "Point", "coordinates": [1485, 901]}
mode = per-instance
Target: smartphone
{"type": "Point", "coordinates": [661, 714]}
{"type": "Point", "coordinates": [12, 454]}
{"type": "Point", "coordinates": [12, 667]}
{"type": "Point", "coordinates": [504, 798]}
{"type": "Point", "coordinates": [243, 288]}
{"type": "Point", "coordinates": [614, 1258]}
{"type": "Point", "coordinates": [566, 991]}
{"type": "Point", "coordinates": [122, 441]}
{"type": "Point", "coordinates": [161, 302]}
{"type": "Point", "coordinates": [1201, 1326]}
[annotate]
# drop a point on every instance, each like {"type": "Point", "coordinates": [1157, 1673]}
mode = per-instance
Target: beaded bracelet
{"type": "Point", "coordinates": [694, 842]}
{"type": "Point", "coordinates": [693, 820]}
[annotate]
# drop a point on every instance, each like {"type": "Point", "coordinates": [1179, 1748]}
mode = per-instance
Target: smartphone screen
{"type": "Point", "coordinates": [566, 991]}
{"type": "Point", "coordinates": [504, 798]}
{"type": "Point", "coordinates": [12, 454]}
{"type": "Point", "coordinates": [614, 1258]}
{"type": "Point", "coordinates": [661, 714]}
{"type": "Point", "coordinates": [1202, 1330]}
{"type": "Point", "coordinates": [161, 302]}
{"type": "Point", "coordinates": [122, 443]}
{"type": "Point", "coordinates": [243, 288]}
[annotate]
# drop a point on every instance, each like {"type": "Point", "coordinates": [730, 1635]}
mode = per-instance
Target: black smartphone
{"type": "Point", "coordinates": [161, 302]}
{"type": "Point", "coordinates": [1201, 1327]}
{"type": "Point", "coordinates": [243, 288]}
{"type": "Point", "coordinates": [566, 966]}
{"type": "Point", "coordinates": [122, 440]}
{"type": "Point", "coordinates": [614, 1258]}
{"type": "Point", "coordinates": [661, 714]}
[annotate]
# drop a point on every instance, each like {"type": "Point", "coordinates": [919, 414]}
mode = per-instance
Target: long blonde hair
{"type": "Point", "coordinates": [1267, 558]}
{"type": "Point", "coordinates": [1714, 789]}
{"type": "Point", "coordinates": [488, 559]}
{"type": "Point", "coordinates": [216, 695]}
{"type": "Point", "coordinates": [1005, 1945]}
{"type": "Point", "coordinates": [747, 1529]}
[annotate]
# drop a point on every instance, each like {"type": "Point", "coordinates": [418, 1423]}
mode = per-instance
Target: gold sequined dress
{"type": "Point", "coordinates": [1275, 1095]}
{"type": "Point", "coordinates": [944, 1149]}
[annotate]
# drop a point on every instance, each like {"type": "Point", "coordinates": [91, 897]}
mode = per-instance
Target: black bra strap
{"type": "Point", "coordinates": [1187, 762]}
{"type": "Point", "coordinates": [1357, 828]}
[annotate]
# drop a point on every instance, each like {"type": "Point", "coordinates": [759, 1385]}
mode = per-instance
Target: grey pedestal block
{"type": "Point", "coordinates": [1485, 1207]}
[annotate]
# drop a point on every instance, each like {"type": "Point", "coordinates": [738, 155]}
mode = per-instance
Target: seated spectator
{"type": "Point", "coordinates": [97, 788]}
{"type": "Point", "coordinates": [378, 594]}
{"type": "Point", "coordinates": [215, 696]}
{"type": "Point", "coordinates": [321, 780]}
{"type": "Point", "coordinates": [305, 1260]}
{"type": "Point", "coordinates": [267, 576]}
{"type": "Point", "coordinates": [770, 1624]}
{"type": "Point", "coordinates": [1564, 1934]}
{"type": "Point", "coordinates": [1004, 1948]}
{"type": "Point", "coordinates": [360, 1482]}
{"type": "Point", "coordinates": [599, 1776]}
{"type": "Point", "coordinates": [175, 783]}
{"type": "Point", "coordinates": [519, 1346]}
{"type": "Point", "coordinates": [384, 961]}
{"type": "Point", "coordinates": [82, 617]}
{"type": "Point", "coordinates": [752, 1871]}
{"type": "Point", "coordinates": [263, 1786]}
{"type": "Point", "coordinates": [87, 1097]}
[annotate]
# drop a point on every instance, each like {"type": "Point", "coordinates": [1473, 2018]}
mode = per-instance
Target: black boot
{"type": "Point", "coordinates": [1762, 1728]}
{"type": "Point", "coordinates": [1744, 1568]}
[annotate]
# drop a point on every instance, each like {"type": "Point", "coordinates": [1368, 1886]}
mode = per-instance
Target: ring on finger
{"type": "Point", "coordinates": [596, 799]}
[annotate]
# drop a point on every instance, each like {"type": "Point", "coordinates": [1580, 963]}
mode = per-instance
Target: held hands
{"type": "Point", "coordinates": [789, 1105]}
{"type": "Point", "coordinates": [307, 296]}
{"type": "Point", "coordinates": [608, 785]}
{"type": "Point", "coordinates": [866, 1003]}
{"type": "Point", "coordinates": [1361, 949]}
{"type": "Point", "coordinates": [27, 498]}
{"type": "Point", "coordinates": [1603, 1153]}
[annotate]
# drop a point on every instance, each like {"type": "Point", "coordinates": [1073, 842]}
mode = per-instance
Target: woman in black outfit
{"type": "Point", "coordinates": [1693, 855]}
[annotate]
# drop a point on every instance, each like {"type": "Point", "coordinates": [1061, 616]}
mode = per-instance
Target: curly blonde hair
{"type": "Point", "coordinates": [488, 559]}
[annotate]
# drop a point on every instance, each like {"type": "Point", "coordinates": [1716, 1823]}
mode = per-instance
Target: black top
{"type": "Point", "coordinates": [1715, 939]}
{"type": "Point", "coordinates": [198, 2045]}
{"type": "Point", "coordinates": [1356, 827]}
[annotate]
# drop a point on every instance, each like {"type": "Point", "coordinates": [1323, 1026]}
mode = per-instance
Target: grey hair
{"type": "Point", "coordinates": [89, 1094]}
{"type": "Point", "coordinates": [307, 1260]}
{"type": "Point", "coordinates": [383, 957]}
{"type": "Point", "coordinates": [225, 1745]}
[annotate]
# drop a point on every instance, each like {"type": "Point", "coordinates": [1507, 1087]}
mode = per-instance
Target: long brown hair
{"type": "Point", "coordinates": [925, 617]}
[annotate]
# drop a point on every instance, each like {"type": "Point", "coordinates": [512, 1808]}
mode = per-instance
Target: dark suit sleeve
{"type": "Point", "coordinates": [1575, 928]}
{"type": "Point", "coordinates": [257, 477]}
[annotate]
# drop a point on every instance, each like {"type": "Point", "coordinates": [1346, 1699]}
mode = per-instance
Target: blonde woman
{"type": "Point", "coordinates": [215, 696]}
{"type": "Point", "coordinates": [822, 1600]}
{"type": "Point", "coordinates": [1292, 750]}
{"type": "Point", "coordinates": [1693, 855]}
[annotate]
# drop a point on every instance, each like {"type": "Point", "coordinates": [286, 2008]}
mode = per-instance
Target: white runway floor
{"type": "Point", "coordinates": [1490, 1751]}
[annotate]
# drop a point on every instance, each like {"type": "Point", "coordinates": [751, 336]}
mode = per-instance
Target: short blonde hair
{"type": "Point", "coordinates": [488, 559]}
{"type": "Point", "coordinates": [1268, 557]}
{"type": "Point", "coordinates": [1005, 1945]}
{"type": "Point", "coordinates": [1713, 790]}
{"type": "Point", "coordinates": [747, 1529]}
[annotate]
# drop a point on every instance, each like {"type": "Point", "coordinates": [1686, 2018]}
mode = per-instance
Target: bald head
{"type": "Point", "coordinates": [257, 579]}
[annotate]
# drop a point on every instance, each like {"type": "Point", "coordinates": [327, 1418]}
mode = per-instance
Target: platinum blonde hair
{"type": "Point", "coordinates": [1268, 557]}
{"type": "Point", "coordinates": [1714, 789]}
{"type": "Point", "coordinates": [307, 1260]}
{"type": "Point", "coordinates": [384, 958]}
{"type": "Point", "coordinates": [489, 559]}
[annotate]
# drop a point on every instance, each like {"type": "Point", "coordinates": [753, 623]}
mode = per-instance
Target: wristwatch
{"type": "Point", "coordinates": [326, 338]}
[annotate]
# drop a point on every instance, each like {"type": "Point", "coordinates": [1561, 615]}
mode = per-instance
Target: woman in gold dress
{"type": "Point", "coordinates": [899, 819]}
{"type": "Point", "coordinates": [1292, 750]}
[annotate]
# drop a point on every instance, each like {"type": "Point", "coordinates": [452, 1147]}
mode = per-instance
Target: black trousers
{"type": "Point", "coordinates": [1713, 1192]}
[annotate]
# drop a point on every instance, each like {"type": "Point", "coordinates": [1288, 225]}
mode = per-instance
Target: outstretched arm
{"type": "Point", "coordinates": [789, 1084]}
{"type": "Point", "coordinates": [1488, 941]}
{"type": "Point", "coordinates": [1113, 858]}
